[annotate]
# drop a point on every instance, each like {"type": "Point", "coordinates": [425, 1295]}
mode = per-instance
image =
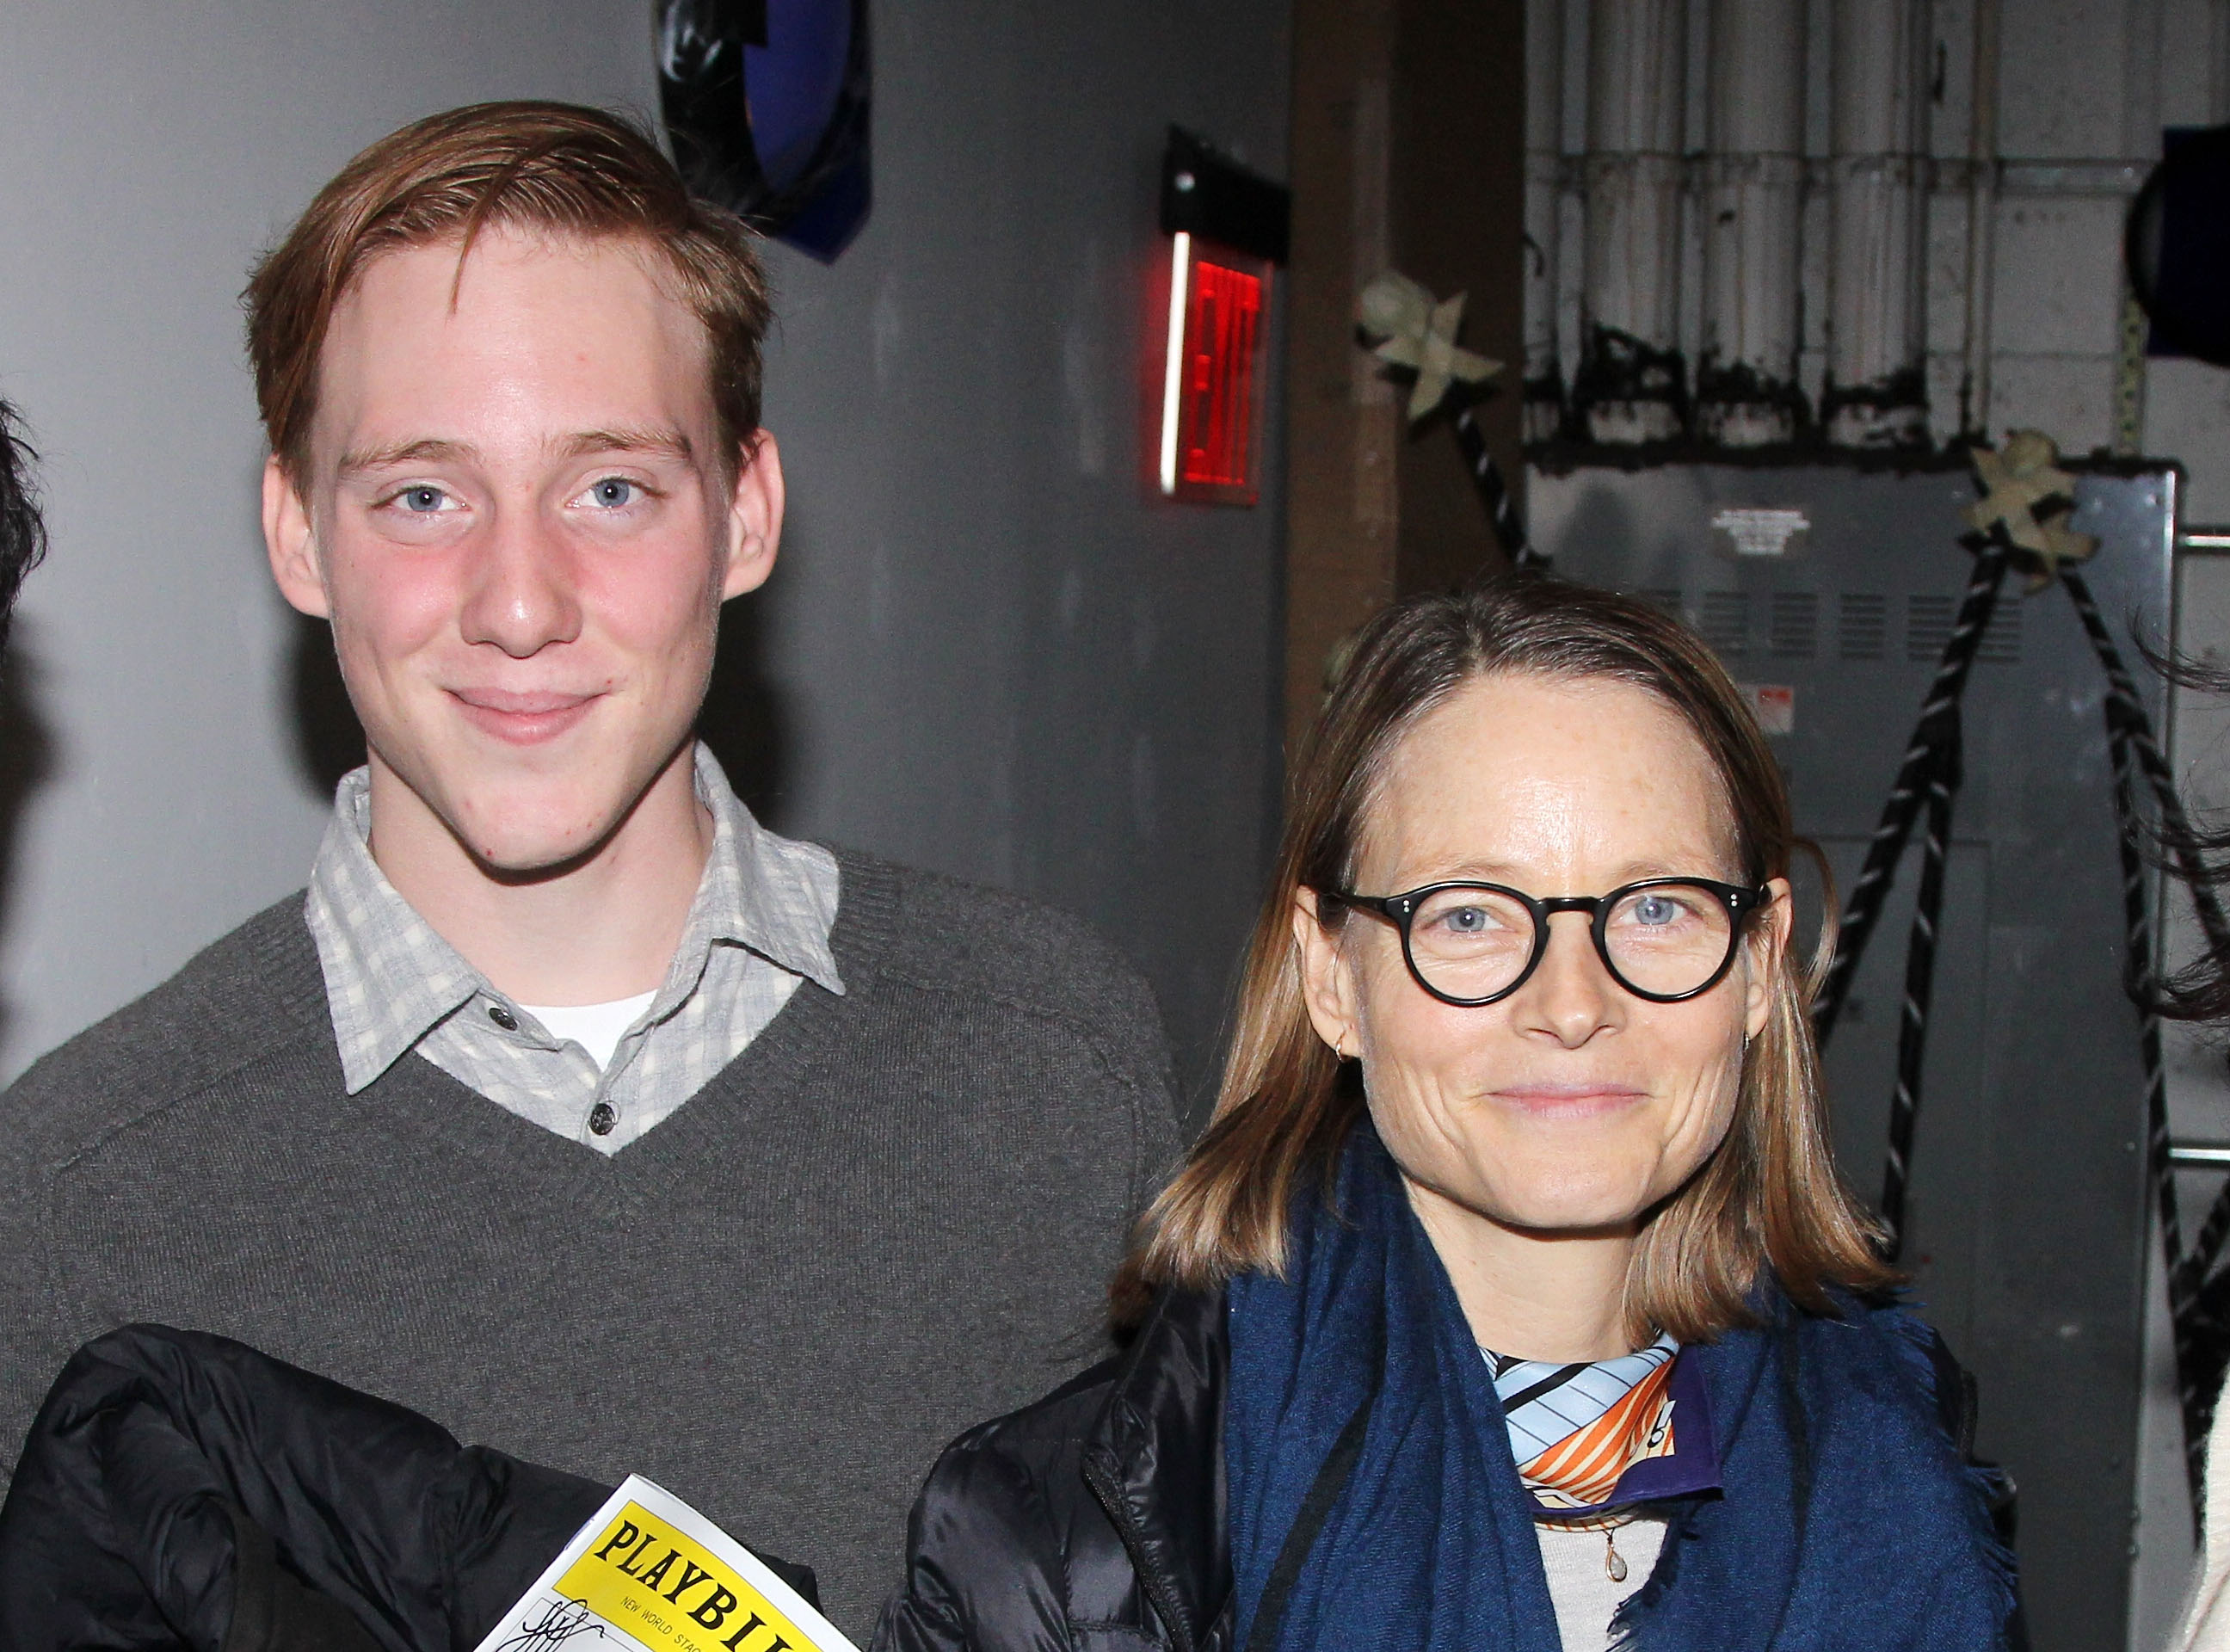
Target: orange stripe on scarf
{"type": "Point", "coordinates": [1586, 1464]}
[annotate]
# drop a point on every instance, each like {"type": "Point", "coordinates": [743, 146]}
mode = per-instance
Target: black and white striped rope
{"type": "Point", "coordinates": [2183, 1277]}
{"type": "Point", "coordinates": [2201, 1258]}
{"type": "Point", "coordinates": [1941, 784]}
{"type": "Point", "coordinates": [2125, 710]}
{"type": "Point", "coordinates": [1928, 777]}
{"type": "Point", "coordinates": [2131, 735]}
{"type": "Point", "coordinates": [1864, 908]}
{"type": "Point", "coordinates": [1494, 493]}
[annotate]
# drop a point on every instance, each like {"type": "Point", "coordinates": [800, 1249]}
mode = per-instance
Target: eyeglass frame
{"type": "Point", "coordinates": [1741, 901]}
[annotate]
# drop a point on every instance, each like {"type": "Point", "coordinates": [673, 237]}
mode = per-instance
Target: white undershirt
{"type": "Point", "coordinates": [596, 1028]}
{"type": "Point", "coordinates": [1579, 1586]}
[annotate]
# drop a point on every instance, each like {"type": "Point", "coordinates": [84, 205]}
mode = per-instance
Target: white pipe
{"type": "Point", "coordinates": [1746, 391]}
{"type": "Point", "coordinates": [1631, 383]}
{"type": "Point", "coordinates": [1876, 339]}
{"type": "Point", "coordinates": [1544, 145]}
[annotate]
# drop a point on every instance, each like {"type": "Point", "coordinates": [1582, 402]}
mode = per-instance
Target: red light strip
{"type": "Point", "coordinates": [1224, 315]}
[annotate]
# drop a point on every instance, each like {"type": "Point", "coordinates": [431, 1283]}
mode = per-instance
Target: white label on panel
{"type": "Point", "coordinates": [1759, 532]}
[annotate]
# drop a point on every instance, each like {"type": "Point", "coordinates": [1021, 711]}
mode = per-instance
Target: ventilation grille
{"type": "Point", "coordinates": [2001, 638]}
{"type": "Point", "coordinates": [1793, 625]}
{"type": "Point", "coordinates": [1928, 626]}
{"type": "Point", "coordinates": [1724, 622]}
{"type": "Point", "coordinates": [1865, 625]}
{"type": "Point", "coordinates": [1929, 621]}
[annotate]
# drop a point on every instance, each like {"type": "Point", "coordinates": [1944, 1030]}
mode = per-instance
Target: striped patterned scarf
{"type": "Point", "coordinates": [1575, 1429]}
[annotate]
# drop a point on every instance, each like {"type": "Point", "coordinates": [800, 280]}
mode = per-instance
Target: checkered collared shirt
{"type": "Point", "coordinates": [758, 926]}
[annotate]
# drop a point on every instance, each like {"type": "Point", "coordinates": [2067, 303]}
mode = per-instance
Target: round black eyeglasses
{"type": "Point", "coordinates": [1471, 944]}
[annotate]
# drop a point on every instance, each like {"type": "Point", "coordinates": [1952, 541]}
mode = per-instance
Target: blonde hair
{"type": "Point", "coordinates": [1769, 1197]}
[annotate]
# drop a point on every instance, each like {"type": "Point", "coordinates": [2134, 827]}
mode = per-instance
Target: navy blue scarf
{"type": "Point", "coordinates": [1847, 1519]}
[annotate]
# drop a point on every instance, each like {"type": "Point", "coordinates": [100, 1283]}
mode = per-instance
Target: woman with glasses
{"type": "Point", "coordinates": [1510, 1300]}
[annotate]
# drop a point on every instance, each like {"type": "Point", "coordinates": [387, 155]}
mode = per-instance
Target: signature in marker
{"type": "Point", "coordinates": [560, 1622]}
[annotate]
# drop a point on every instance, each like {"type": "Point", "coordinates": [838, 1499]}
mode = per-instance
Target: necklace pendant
{"type": "Point", "coordinates": [1614, 1562]}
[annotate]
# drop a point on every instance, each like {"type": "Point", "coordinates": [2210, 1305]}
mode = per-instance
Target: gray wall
{"type": "Point", "coordinates": [986, 649]}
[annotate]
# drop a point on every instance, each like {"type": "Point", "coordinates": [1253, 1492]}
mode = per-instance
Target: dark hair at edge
{"type": "Point", "coordinates": [2197, 857]}
{"type": "Point", "coordinates": [1768, 1198]}
{"type": "Point", "coordinates": [22, 530]}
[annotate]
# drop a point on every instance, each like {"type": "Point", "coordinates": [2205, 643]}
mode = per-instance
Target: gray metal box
{"type": "Point", "coordinates": [2026, 1220]}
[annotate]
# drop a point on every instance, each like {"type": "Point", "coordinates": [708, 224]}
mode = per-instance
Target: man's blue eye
{"type": "Point", "coordinates": [613, 491]}
{"type": "Point", "coordinates": [1656, 909]}
{"type": "Point", "coordinates": [421, 498]}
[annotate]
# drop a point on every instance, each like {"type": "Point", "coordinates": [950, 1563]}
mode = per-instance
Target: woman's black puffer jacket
{"type": "Point", "coordinates": [1096, 1520]}
{"type": "Point", "coordinates": [1091, 1521]}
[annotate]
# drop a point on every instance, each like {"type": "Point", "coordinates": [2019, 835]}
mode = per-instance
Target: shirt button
{"type": "Point", "coordinates": [601, 1118]}
{"type": "Point", "coordinates": [503, 1017]}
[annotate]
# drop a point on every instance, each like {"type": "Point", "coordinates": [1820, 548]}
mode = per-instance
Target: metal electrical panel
{"type": "Point", "coordinates": [1829, 591]}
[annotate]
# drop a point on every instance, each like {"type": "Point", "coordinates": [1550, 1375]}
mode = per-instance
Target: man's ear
{"type": "Point", "coordinates": [754, 517]}
{"type": "Point", "coordinates": [293, 548]}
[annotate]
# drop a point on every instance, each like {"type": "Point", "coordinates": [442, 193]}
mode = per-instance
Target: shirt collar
{"type": "Point", "coordinates": [390, 979]}
{"type": "Point", "coordinates": [760, 891]}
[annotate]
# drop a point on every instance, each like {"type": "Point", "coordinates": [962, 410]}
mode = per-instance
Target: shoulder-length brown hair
{"type": "Point", "coordinates": [1768, 1198]}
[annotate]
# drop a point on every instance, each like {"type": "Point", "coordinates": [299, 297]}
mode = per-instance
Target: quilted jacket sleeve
{"type": "Point", "coordinates": [170, 1474]}
{"type": "Point", "coordinates": [984, 1559]}
{"type": "Point", "coordinates": [179, 1489]}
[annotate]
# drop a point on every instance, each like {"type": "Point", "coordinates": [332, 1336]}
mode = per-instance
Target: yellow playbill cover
{"type": "Point", "coordinates": [650, 1572]}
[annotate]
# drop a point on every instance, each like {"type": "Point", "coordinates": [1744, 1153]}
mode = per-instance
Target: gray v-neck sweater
{"type": "Point", "coordinates": [894, 1215]}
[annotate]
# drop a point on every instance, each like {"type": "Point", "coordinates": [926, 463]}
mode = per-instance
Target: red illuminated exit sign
{"type": "Point", "coordinates": [1229, 230]}
{"type": "Point", "coordinates": [1212, 377]}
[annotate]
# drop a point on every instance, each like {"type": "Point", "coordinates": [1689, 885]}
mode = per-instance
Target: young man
{"type": "Point", "coordinates": [571, 1106]}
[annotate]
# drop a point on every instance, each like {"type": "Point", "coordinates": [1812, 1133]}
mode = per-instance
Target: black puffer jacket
{"type": "Point", "coordinates": [1091, 1521]}
{"type": "Point", "coordinates": [1096, 1518]}
{"type": "Point", "coordinates": [181, 1491]}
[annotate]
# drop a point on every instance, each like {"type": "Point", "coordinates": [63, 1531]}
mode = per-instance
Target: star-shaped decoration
{"type": "Point", "coordinates": [2061, 544]}
{"type": "Point", "coordinates": [1415, 332]}
{"type": "Point", "coordinates": [2026, 494]}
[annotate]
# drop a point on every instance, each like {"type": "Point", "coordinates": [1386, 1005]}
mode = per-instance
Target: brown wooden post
{"type": "Point", "coordinates": [1407, 153]}
{"type": "Point", "coordinates": [1459, 225]}
{"type": "Point", "coordinates": [1342, 427]}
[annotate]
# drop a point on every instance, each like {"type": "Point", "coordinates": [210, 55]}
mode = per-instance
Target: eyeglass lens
{"type": "Point", "coordinates": [1474, 943]}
